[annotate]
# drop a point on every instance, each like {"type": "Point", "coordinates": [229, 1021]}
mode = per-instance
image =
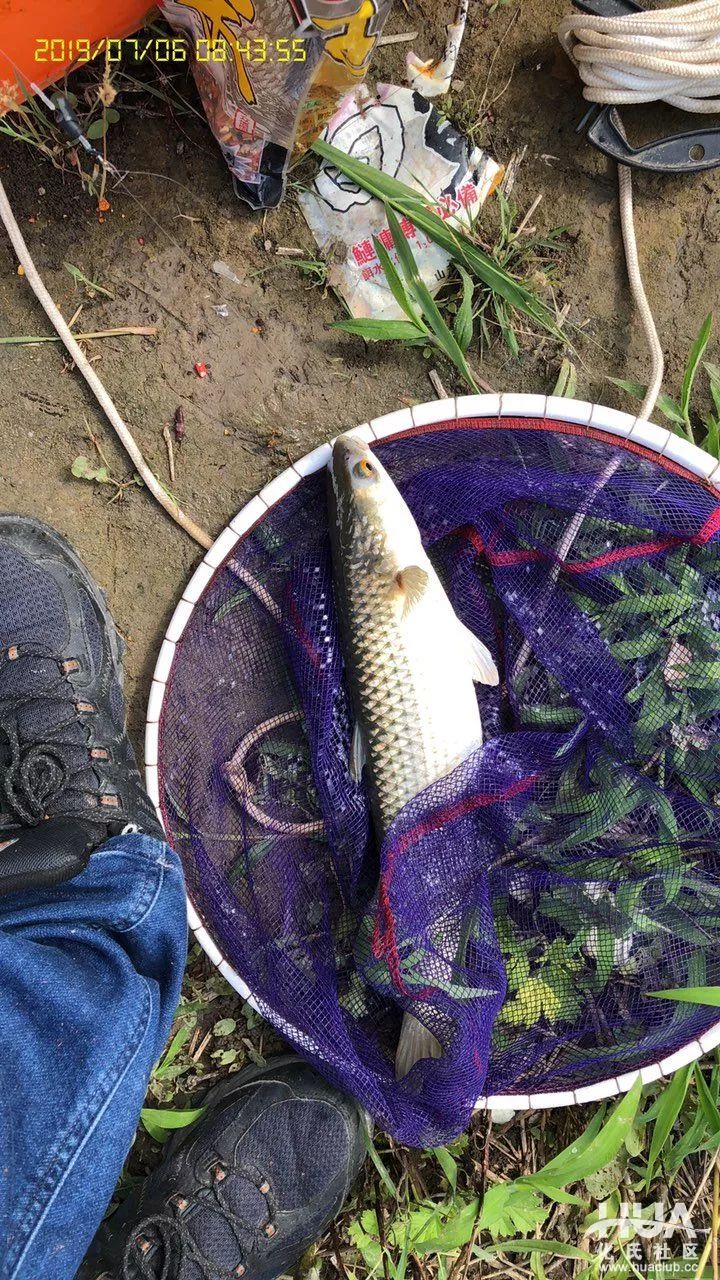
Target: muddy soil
{"type": "Point", "coordinates": [280, 379]}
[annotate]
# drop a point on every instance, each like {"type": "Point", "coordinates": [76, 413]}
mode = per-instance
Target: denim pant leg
{"type": "Point", "coordinates": [90, 976]}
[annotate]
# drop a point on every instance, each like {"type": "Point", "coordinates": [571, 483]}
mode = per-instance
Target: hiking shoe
{"type": "Point", "coordinates": [245, 1190]}
{"type": "Point", "coordinates": [68, 776]}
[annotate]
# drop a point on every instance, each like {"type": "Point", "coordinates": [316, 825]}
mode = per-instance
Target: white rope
{"type": "Point", "coordinates": [84, 367]}
{"type": "Point", "coordinates": [236, 774]}
{"type": "Point", "coordinates": [671, 55]}
{"type": "Point", "coordinates": [664, 54]}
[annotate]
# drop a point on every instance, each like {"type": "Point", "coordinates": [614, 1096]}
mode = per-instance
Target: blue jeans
{"type": "Point", "coordinates": [90, 975]}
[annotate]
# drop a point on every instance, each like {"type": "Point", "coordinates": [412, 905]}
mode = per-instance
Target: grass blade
{"type": "Point", "coordinates": [712, 439]}
{"type": "Point", "coordinates": [448, 1164]}
{"type": "Point", "coordinates": [406, 257]}
{"type": "Point", "coordinates": [713, 373]}
{"type": "Point", "coordinates": [690, 995]}
{"type": "Point", "coordinates": [665, 404]}
{"type": "Point", "coordinates": [463, 327]}
{"type": "Point", "coordinates": [395, 284]}
{"type": "Point", "coordinates": [159, 1122]}
{"type": "Point", "coordinates": [556, 1247]}
{"type": "Point", "coordinates": [178, 1042]}
{"type": "Point", "coordinates": [577, 1162]}
{"type": "Point", "coordinates": [566, 384]}
{"type": "Point", "coordinates": [637, 390]}
{"type": "Point", "coordinates": [422, 295]}
{"type": "Point", "coordinates": [672, 1099]}
{"type": "Point", "coordinates": [375, 1157]}
{"type": "Point", "coordinates": [379, 330]}
{"type": "Point", "coordinates": [706, 1100]}
{"type": "Point", "coordinates": [80, 278]}
{"type": "Point", "coordinates": [697, 351]}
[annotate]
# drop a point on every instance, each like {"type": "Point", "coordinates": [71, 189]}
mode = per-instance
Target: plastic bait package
{"type": "Point", "coordinates": [271, 73]}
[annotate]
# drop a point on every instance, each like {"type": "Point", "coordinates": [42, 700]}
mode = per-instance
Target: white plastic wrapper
{"type": "Point", "coordinates": [404, 135]}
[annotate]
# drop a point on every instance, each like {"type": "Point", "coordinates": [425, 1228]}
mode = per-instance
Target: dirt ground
{"type": "Point", "coordinates": [280, 379]}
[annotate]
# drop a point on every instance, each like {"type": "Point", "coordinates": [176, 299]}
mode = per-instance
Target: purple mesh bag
{"type": "Point", "coordinates": [530, 904]}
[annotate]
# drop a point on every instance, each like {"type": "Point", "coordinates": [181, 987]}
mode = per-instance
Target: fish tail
{"type": "Point", "coordinates": [415, 1043]}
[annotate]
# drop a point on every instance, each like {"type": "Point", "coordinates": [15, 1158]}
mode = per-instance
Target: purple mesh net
{"type": "Point", "coordinates": [529, 904]}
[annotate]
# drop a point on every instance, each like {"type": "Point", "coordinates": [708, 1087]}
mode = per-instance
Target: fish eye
{"type": "Point", "coordinates": [364, 470]}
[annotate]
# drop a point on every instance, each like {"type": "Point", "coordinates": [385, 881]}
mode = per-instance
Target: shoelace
{"type": "Point", "coordinates": [37, 771]}
{"type": "Point", "coordinates": [178, 1245]}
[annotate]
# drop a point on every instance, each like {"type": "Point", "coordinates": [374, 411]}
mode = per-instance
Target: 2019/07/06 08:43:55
{"type": "Point", "coordinates": [166, 49]}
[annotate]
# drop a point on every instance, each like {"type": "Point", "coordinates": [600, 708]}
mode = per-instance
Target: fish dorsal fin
{"type": "Point", "coordinates": [411, 583]}
{"type": "Point", "coordinates": [358, 753]}
{"type": "Point", "coordinates": [482, 663]}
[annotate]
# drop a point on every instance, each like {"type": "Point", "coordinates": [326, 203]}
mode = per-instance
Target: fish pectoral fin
{"type": "Point", "coordinates": [411, 583]}
{"type": "Point", "coordinates": [358, 753]}
{"type": "Point", "coordinates": [482, 663]}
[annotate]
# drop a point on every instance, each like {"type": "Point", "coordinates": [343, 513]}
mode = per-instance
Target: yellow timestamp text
{"type": "Point", "coordinates": [163, 49]}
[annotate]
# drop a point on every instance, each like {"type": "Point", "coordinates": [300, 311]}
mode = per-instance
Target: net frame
{"type": "Point", "coordinates": [569, 416]}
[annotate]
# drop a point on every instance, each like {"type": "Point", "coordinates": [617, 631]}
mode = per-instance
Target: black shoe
{"type": "Point", "coordinates": [244, 1191]}
{"type": "Point", "coordinates": [68, 776]}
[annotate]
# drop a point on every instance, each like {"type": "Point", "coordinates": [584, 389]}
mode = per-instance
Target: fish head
{"type": "Point", "coordinates": [356, 472]}
{"type": "Point", "coordinates": [365, 504]}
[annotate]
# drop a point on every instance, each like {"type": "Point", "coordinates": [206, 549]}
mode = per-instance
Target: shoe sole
{"type": "Point", "coordinates": [32, 531]}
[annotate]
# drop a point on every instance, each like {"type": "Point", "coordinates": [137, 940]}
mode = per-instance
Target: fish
{"type": "Point", "coordinates": [411, 663]}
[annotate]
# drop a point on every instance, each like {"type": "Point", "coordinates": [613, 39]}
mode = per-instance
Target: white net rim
{"type": "Point", "coordinates": [626, 431]}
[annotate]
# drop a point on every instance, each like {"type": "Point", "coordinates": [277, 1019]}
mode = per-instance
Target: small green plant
{"type": "Point", "coordinates": [314, 269]}
{"type": "Point", "coordinates": [684, 419]}
{"type": "Point", "coordinates": [92, 286]}
{"type": "Point", "coordinates": [465, 113]}
{"type": "Point", "coordinates": [160, 1122]}
{"type": "Point", "coordinates": [425, 325]}
{"type": "Point", "coordinates": [438, 1230]}
{"type": "Point", "coordinates": [32, 123]}
{"type": "Point", "coordinates": [489, 285]}
{"type": "Point", "coordinates": [83, 469]}
{"type": "Point", "coordinates": [452, 1217]}
{"type": "Point", "coordinates": [97, 129]}
{"type": "Point", "coordinates": [566, 383]}
{"type": "Point", "coordinates": [167, 1078]}
{"type": "Point", "coordinates": [29, 123]}
{"type": "Point", "coordinates": [525, 256]}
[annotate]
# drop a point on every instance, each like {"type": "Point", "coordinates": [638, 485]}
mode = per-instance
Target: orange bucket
{"type": "Point", "coordinates": [41, 39]}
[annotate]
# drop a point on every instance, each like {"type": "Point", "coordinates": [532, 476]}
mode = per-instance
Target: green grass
{"type": "Point", "coordinates": [467, 313]}
{"type": "Point", "coordinates": [424, 324]}
{"type": "Point", "coordinates": [700, 424]}
{"type": "Point", "coordinates": [32, 124]}
{"type": "Point", "coordinates": [526, 255]}
{"type": "Point", "coordinates": [315, 270]}
{"type": "Point", "coordinates": [520, 1200]}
